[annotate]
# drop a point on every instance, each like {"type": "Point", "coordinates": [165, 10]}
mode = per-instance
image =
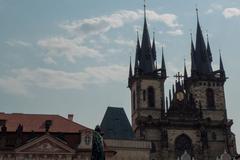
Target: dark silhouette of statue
{"type": "Point", "coordinates": [97, 145]}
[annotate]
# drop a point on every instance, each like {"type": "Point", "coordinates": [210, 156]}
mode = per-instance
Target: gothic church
{"type": "Point", "coordinates": [193, 117]}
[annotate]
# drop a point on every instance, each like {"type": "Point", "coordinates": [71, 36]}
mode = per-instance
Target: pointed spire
{"type": "Point", "coordinates": [163, 67]}
{"type": "Point", "coordinates": [163, 60]}
{"type": "Point", "coordinates": [145, 38]}
{"type": "Point", "coordinates": [193, 68]}
{"type": "Point", "coordinates": [130, 75]}
{"type": "Point", "coordinates": [221, 67]}
{"type": "Point", "coordinates": [197, 14]}
{"type": "Point", "coordinates": [138, 54]}
{"type": "Point", "coordinates": [209, 50]}
{"type": "Point", "coordinates": [146, 44]}
{"type": "Point", "coordinates": [154, 53]}
{"type": "Point", "coordinates": [147, 65]}
{"type": "Point", "coordinates": [201, 57]}
{"type": "Point", "coordinates": [185, 70]}
{"type": "Point", "coordinates": [130, 69]}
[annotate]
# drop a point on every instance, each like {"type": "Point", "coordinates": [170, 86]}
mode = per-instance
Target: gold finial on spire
{"type": "Point", "coordinates": [145, 8]}
{"type": "Point", "coordinates": [197, 12]}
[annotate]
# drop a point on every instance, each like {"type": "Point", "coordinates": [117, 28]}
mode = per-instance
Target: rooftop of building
{"type": "Point", "coordinates": [37, 122]}
{"type": "Point", "coordinates": [115, 124]}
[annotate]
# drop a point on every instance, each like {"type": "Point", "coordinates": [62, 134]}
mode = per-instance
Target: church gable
{"type": "Point", "coordinates": [45, 144]}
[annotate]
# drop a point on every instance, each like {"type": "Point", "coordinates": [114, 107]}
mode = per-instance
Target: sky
{"type": "Point", "coordinates": [72, 56]}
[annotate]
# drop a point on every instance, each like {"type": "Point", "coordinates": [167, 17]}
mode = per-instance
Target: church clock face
{"type": "Point", "coordinates": [180, 96]}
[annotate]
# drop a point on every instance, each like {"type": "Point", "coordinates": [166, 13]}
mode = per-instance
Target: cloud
{"type": "Point", "coordinates": [20, 81]}
{"type": "Point", "coordinates": [69, 48]}
{"type": "Point", "coordinates": [12, 86]}
{"type": "Point", "coordinates": [102, 24]}
{"type": "Point", "coordinates": [231, 12]}
{"type": "Point", "coordinates": [49, 60]}
{"type": "Point", "coordinates": [213, 8]}
{"type": "Point", "coordinates": [129, 43]}
{"type": "Point", "coordinates": [169, 19]}
{"type": "Point", "coordinates": [17, 43]}
{"type": "Point", "coordinates": [177, 32]}
{"type": "Point", "coordinates": [92, 31]}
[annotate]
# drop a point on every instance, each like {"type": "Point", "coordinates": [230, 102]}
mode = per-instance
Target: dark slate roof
{"type": "Point", "coordinates": [115, 124]}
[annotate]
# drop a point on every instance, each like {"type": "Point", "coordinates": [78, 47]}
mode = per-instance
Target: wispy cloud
{"type": "Point", "coordinates": [69, 48]}
{"type": "Point", "coordinates": [121, 41]}
{"type": "Point", "coordinates": [231, 12]}
{"type": "Point", "coordinates": [102, 24]}
{"type": "Point", "coordinates": [94, 30]}
{"type": "Point", "coordinates": [214, 8]}
{"type": "Point", "coordinates": [49, 60]}
{"type": "Point", "coordinates": [20, 81]}
{"type": "Point", "coordinates": [177, 32]}
{"type": "Point", "coordinates": [17, 43]}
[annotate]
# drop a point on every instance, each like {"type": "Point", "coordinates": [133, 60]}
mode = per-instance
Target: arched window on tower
{"type": "Point", "coordinates": [134, 100]}
{"type": "Point", "coordinates": [183, 143]}
{"type": "Point", "coordinates": [144, 95]}
{"type": "Point", "coordinates": [210, 98]}
{"type": "Point", "coordinates": [151, 97]}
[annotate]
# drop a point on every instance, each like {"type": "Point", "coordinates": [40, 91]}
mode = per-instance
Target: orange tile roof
{"type": "Point", "coordinates": [36, 123]}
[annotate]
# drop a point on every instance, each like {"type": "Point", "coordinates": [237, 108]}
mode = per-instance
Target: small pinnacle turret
{"type": "Point", "coordinates": [193, 68]}
{"type": "Point", "coordinates": [130, 74]}
{"type": "Point", "coordinates": [154, 52]}
{"type": "Point", "coordinates": [185, 71]}
{"type": "Point", "coordinates": [221, 67]}
{"type": "Point", "coordinates": [163, 67]}
{"type": "Point", "coordinates": [137, 55]}
{"type": "Point", "coordinates": [209, 50]}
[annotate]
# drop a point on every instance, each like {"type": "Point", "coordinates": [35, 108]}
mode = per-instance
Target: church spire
{"type": "Point", "coordinates": [202, 61]}
{"type": "Point", "coordinates": [130, 68]}
{"type": "Point", "coordinates": [209, 50]}
{"type": "Point", "coordinates": [146, 63]}
{"type": "Point", "coordinates": [163, 67]}
{"type": "Point", "coordinates": [130, 75]}
{"type": "Point", "coordinates": [145, 38]}
{"type": "Point", "coordinates": [185, 70]}
{"type": "Point", "coordinates": [137, 55]}
{"type": "Point", "coordinates": [221, 67]}
{"type": "Point", "coordinates": [193, 68]}
{"type": "Point", "coordinates": [154, 52]}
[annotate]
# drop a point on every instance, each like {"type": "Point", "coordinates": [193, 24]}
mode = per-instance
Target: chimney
{"type": "Point", "coordinates": [70, 117]}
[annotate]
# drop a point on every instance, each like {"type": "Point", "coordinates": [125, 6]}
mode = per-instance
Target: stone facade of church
{"type": "Point", "coordinates": [193, 117]}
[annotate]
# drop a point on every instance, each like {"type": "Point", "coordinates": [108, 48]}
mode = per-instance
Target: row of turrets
{"type": "Point", "coordinates": [201, 58]}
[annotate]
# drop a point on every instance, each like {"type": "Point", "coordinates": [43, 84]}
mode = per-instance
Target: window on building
{"type": "Point", "coordinates": [144, 95]}
{"type": "Point", "coordinates": [134, 100]}
{"type": "Point", "coordinates": [87, 139]}
{"type": "Point", "coordinates": [210, 98]}
{"type": "Point", "coordinates": [151, 97]}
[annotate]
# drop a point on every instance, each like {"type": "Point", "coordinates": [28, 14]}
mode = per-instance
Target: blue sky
{"type": "Point", "coordinates": [71, 56]}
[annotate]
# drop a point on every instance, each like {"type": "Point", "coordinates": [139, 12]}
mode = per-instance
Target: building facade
{"type": "Point", "coordinates": [193, 117]}
{"type": "Point", "coordinates": [35, 136]}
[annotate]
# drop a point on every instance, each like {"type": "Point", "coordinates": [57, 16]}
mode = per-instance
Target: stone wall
{"type": "Point", "coordinates": [129, 149]}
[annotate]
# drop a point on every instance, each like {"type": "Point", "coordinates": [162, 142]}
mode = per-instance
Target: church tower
{"type": "Point", "coordinates": [147, 88]}
{"type": "Point", "coordinates": [193, 118]}
{"type": "Point", "coordinates": [207, 89]}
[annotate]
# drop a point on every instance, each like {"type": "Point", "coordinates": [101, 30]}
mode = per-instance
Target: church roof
{"type": "Point", "coordinates": [36, 123]}
{"type": "Point", "coordinates": [115, 124]}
